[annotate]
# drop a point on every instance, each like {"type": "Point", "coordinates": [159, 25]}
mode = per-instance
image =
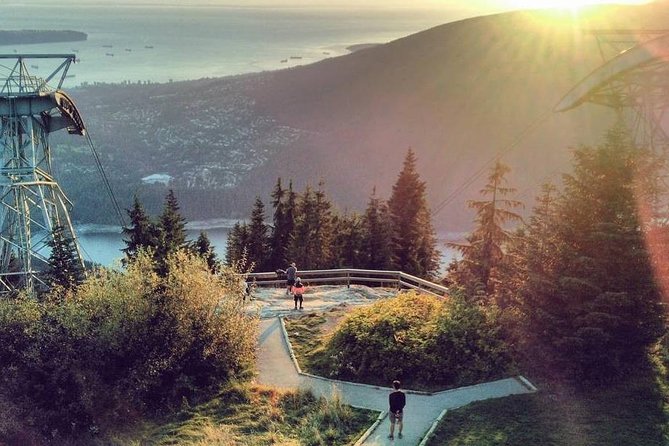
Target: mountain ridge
{"type": "Point", "coordinates": [458, 94]}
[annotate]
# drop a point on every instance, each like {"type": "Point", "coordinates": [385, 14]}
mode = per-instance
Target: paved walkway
{"type": "Point", "coordinates": [276, 368]}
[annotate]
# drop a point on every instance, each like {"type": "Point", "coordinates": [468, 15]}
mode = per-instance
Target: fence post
{"type": "Point", "coordinates": [348, 279]}
{"type": "Point", "coordinates": [399, 280]}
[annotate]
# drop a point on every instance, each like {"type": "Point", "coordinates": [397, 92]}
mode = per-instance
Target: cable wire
{"type": "Point", "coordinates": [479, 172]}
{"type": "Point", "coordinates": [105, 180]}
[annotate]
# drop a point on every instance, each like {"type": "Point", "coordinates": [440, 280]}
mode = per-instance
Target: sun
{"type": "Point", "coordinates": [567, 4]}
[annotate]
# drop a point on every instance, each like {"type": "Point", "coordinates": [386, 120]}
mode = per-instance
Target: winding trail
{"type": "Point", "coordinates": [276, 368]}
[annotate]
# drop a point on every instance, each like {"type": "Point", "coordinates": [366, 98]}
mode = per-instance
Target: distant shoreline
{"type": "Point", "coordinates": [362, 46]}
{"type": "Point", "coordinates": [30, 36]}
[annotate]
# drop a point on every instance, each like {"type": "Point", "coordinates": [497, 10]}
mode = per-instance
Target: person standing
{"type": "Point", "coordinates": [397, 400]}
{"type": "Point", "coordinates": [298, 290]}
{"type": "Point", "coordinates": [291, 274]}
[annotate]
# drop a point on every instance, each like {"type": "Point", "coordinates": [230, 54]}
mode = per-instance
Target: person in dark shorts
{"type": "Point", "coordinates": [291, 273]}
{"type": "Point", "coordinates": [397, 400]}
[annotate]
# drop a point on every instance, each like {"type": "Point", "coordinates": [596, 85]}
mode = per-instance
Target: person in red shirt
{"type": "Point", "coordinates": [298, 290]}
{"type": "Point", "coordinates": [397, 400]}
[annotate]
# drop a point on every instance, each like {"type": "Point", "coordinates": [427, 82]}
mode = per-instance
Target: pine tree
{"type": "Point", "coordinates": [236, 248]}
{"type": "Point", "coordinates": [172, 232]}
{"type": "Point", "coordinates": [592, 306]}
{"type": "Point", "coordinates": [377, 228]}
{"type": "Point", "coordinates": [484, 250]}
{"type": "Point", "coordinates": [279, 237]}
{"type": "Point", "coordinates": [302, 248]}
{"type": "Point", "coordinates": [348, 241]}
{"type": "Point", "coordinates": [65, 270]}
{"type": "Point", "coordinates": [203, 248]}
{"type": "Point", "coordinates": [141, 233]}
{"type": "Point", "coordinates": [323, 228]}
{"type": "Point", "coordinates": [414, 239]}
{"type": "Point", "coordinates": [258, 242]}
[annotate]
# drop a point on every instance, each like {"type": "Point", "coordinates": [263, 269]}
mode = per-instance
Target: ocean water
{"type": "Point", "coordinates": [131, 43]}
{"type": "Point", "coordinates": [162, 43]}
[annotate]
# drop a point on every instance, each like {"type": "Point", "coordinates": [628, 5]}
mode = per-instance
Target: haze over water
{"type": "Point", "coordinates": [159, 43]}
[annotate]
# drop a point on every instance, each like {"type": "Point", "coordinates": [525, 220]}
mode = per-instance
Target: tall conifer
{"type": "Point", "coordinates": [141, 233]}
{"type": "Point", "coordinates": [65, 270]}
{"type": "Point", "coordinates": [172, 227]}
{"type": "Point", "coordinates": [484, 250]}
{"type": "Point", "coordinates": [377, 228]}
{"type": "Point", "coordinates": [592, 305]}
{"type": "Point", "coordinates": [203, 248]}
{"type": "Point", "coordinates": [258, 241]}
{"type": "Point", "coordinates": [414, 239]}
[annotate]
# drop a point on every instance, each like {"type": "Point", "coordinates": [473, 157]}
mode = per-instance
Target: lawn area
{"type": "Point", "coordinates": [631, 413]}
{"type": "Point", "coordinates": [245, 414]}
{"type": "Point", "coordinates": [306, 333]}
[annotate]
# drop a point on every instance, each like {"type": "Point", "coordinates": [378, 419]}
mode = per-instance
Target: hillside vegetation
{"type": "Point", "coordinates": [426, 342]}
{"type": "Point", "coordinates": [122, 347]}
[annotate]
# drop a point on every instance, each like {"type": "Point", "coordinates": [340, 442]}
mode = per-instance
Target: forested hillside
{"type": "Point", "coordinates": [458, 94]}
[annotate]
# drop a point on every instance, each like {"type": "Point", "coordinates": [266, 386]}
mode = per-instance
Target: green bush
{"type": "Point", "coordinates": [422, 340]}
{"type": "Point", "coordinates": [122, 345]}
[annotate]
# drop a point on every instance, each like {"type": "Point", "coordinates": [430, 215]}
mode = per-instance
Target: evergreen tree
{"type": "Point", "coordinates": [257, 244]}
{"type": "Point", "coordinates": [377, 228]}
{"type": "Point", "coordinates": [172, 232]}
{"type": "Point", "coordinates": [323, 228]}
{"type": "Point", "coordinates": [279, 237]}
{"type": "Point", "coordinates": [236, 248]}
{"type": "Point", "coordinates": [203, 248]}
{"type": "Point", "coordinates": [591, 306]}
{"type": "Point", "coordinates": [141, 233]}
{"type": "Point", "coordinates": [348, 241]}
{"type": "Point", "coordinates": [414, 240]}
{"type": "Point", "coordinates": [65, 270]}
{"type": "Point", "coordinates": [484, 250]}
{"type": "Point", "coordinates": [302, 248]}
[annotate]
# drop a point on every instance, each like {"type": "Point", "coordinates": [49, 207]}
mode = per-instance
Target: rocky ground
{"type": "Point", "coordinates": [274, 302]}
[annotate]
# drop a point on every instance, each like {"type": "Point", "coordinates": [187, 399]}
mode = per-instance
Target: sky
{"type": "Point", "coordinates": [475, 6]}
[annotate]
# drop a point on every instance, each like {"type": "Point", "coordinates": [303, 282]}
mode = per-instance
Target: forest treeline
{"type": "Point", "coordinates": [579, 283]}
{"type": "Point", "coordinates": [396, 234]}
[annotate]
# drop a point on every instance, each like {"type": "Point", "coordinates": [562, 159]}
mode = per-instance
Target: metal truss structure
{"type": "Point", "coordinates": [31, 201]}
{"type": "Point", "coordinates": [635, 82]}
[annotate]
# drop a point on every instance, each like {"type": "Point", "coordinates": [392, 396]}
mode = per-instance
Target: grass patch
{"type": "Point", "coordinates": [244, 414]}
{"type": "Point", "coordinates": [428, 343]}
{"type": "Point", "coordinates": [630, 413]}
{"type": "Point", "coordinates": [307, 333]}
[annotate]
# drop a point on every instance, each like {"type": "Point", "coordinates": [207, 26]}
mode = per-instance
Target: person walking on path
{"type": "Point", "coordinates": [397, 400]}
{"type": "Point", "coordinates": [298, 290]}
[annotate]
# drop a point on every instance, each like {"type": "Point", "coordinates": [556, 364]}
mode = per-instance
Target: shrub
{"type": "Point", "coordinates": [123, 344]}
{"type": "Point", "coordinates": [422, 340]}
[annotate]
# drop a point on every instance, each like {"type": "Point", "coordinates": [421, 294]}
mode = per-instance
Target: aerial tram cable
{"type": "Point", "coordinates": [105, 180]}
{"type": "Point", "coordinates": [505, 151]}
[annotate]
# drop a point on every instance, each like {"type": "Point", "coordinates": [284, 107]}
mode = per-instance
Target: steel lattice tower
{"type": "Point", "coordinates": [31, 201]}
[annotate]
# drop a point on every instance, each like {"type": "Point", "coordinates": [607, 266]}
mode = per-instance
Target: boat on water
{"type": "Point", "coordinates": [284, 60]}
{"type": "Point", "coordinates": [36, 67]}
{"type": "Point", "coordinates": [107, 46]}
{"type": "Point", "coordinates": [109, 54]}
{"type": "Point", "coordinates": [327, 53]}
{"type": "Point", "coordinates": [296, 57]}
{"type": "Point", "coordinates": [148, 46]}
{"type": "Point", "coordinates": [128, 49]}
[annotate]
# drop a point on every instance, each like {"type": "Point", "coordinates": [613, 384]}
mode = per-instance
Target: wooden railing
{"type": "Point", "coordinates": [348, 277]}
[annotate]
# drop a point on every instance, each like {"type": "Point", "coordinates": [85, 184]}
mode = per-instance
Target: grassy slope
{"type": "Point", "coordinates": [254, 415]}
{"type": "Point", "coordinates": [631, 413]}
